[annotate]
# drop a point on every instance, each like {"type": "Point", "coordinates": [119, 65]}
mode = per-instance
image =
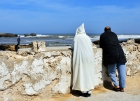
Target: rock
{"type": "Point", "coordinates": [131, 41]}
{"type": "Point", "coordinates": [96, 42]}
{"type": "Point", "coordinates": [38, 46]}
{"type": "Point", "coordinates": [137, 40]}
{"type": "Point", "coordinates": [32, 34]}
{"type": "Point", "coordinates": [26, 46]}
{"type": "Point", "coordinates": [128, 72]}
{"type": "Point", "coordinates": [26, 74]}
{"type": "Point", "coordinates": [11, 47]}
{"type": "Point", "coordinates": [4, 47]}
{"type": "Point", "coordinates": [139, 47]}
{"type": "Point", "coordinates": [26, 35]}
{"type": "Point", "coordinates": [8, 35]}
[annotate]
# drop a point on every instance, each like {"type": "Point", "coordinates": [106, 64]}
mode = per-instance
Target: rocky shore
{"type": "Point", "coordinates": [15, 35]}
{"type": "Point", "coordinates": [120, 41]}
{"type": "Point", "coordinates": [8, 35]}
{"type": "Point", "coordinates": [11, 47]}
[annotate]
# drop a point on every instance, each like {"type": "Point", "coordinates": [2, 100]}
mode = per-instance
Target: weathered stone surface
{"type": "Point", "coordinates": [39, 71]}
{"type": "Point", "coordinates": [11, 47]}
{"type": "Point", "coordinates": [131, 41]}
{"type": "Point", "coordinates": [139, 47]}
{"type": "Point", "coordinates": [46, 73]}
{"type": "Point", "coordinates": [5, 47]}
{"type": "Point", "coordinates": [131, 49]}
{"type": "Point", "coordinates": [39, 46]}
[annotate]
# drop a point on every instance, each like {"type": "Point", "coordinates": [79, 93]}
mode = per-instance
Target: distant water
{"type": "Point", "coordinates": [57, 39]}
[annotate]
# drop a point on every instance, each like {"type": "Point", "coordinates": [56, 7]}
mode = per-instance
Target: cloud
{"type": "Point", "coordinates": [45, 15]}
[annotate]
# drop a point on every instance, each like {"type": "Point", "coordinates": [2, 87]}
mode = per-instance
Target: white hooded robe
{"type": "Point", "coordinates": [83, 61]}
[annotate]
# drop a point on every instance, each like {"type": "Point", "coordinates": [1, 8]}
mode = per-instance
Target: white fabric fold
{"type": "Point", "coordinates": [83, 61]}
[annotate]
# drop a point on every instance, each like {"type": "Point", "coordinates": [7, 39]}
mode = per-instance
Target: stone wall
{"type": "Point", "coordinates": [43, 72]}
{"type": "Point", "coordinates": [132, 51]}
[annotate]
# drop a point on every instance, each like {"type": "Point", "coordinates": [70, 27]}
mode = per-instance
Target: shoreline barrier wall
{"type": "Point", "coordinates": [45, 71]}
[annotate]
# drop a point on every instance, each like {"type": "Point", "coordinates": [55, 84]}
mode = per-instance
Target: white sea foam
{"type": "Point", "coordinates": [128, 36]}
{"type": "Point", "coordinates": [61, 36]}
{"type": "Point", "coordinates": [21, 35]}
{"type": "Point", "coordinates": [37, 35]}
{"type": "Point", "coordinates": [97, 37]}
{"type": "Point", "coordinates": [57, 39]}
{"type": "Point", "coordinates": [42, 35]}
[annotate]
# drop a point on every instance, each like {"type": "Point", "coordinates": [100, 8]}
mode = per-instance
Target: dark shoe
{"type": "Point", "coordinates": [85, 94]}
{"type": "Point", "coordinates": [116, 89]}
{"type": "Point", "coordinates": [121, 89]}
{"type": "Point", "coordinates": [88, 95]}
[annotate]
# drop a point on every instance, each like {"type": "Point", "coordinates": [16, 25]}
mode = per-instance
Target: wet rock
{"type": "Point", "coordinates": [8, 35]}
{"type": "Point", "coordinates": [11, 47]}
{"type": "Point", "coordinates": [96, 42]}
{"type": "Point", "coordinates": [32, 34]}
{"type": "Point", "coordinates": [4, 47]}
{"type": "Point", "coordinates": [137, 40]}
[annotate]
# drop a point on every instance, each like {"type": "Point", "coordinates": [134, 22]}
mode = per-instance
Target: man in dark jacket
{"type": "Point", "coordinates": [113, 57]}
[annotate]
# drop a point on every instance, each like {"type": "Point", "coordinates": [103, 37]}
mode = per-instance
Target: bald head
{"type": "Point", "coordinates": [107, 28]}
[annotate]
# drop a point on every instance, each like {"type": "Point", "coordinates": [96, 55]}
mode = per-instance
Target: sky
{"type": "Point", "coordinates": [64, 16]}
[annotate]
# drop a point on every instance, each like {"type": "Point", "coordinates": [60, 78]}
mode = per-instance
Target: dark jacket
{"type": "Point", "coordinates": [112, 50]}
{"type": "Point", "coordinates": [18, 39]}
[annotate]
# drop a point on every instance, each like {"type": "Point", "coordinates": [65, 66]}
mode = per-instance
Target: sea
{"type": "Point", "coordinates": [54, 40]}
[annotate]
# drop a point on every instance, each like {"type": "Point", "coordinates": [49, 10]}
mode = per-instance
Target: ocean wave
{"type": "Point", "coordinates": [56, 40]}
{"type": "Point", "coordinates": [128, 36]}
{"type": "Point", "coordinates": [42, 35]}
{"type": "Point", "coordinates": [95, 38]}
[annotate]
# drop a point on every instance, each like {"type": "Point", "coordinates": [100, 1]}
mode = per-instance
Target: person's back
{"type": "Point", "coordinates": [113, 58]}
{"type": "Point", "coordinates": [18, 39]}
{"type": "Point", "coordinates": [83, 63]}
{"type": "Point", "coordinates": [109, 40]}
{"type": "Point", "coordinates": [111, 48]}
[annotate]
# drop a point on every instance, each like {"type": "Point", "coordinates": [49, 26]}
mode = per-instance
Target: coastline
{"type": "Point", "coordinates": [11, 47]}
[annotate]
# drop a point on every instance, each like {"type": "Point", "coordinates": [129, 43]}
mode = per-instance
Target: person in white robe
{"type": "Point", "coordinates": [83, 62]}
